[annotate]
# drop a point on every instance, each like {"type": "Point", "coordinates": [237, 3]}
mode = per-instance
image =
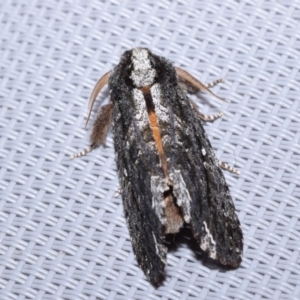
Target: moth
{"type": "Point", "coordinates": [168, 172]}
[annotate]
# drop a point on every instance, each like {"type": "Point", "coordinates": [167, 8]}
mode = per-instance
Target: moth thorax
{"type": "Point", "coordinates": [142, 74]}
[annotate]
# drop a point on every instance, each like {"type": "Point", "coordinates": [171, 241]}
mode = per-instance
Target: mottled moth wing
{"type": "Point", "coordinates": [213, 219]}
{"type": "Point", "coordinates": [167, 168]}
{"type": "Point", "coordinates": [137, 162]}
{"type": "Point", "coordinates": [212, 216]}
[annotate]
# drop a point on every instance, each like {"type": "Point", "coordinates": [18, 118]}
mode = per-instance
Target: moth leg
{"type": "Point", "coordinates": [99, 131]}
{"type": "Point", "coordinates": [190, 80]}
{"type": "Point", "coordinates": [101, 126]}
{"type": "Point", "coordinates": [210, 118]}
{"type": "Point", "coordinates": [81, 153]}
{"type": "Point", "coordinates": [118, 192]}
{"type": "Point", "coordinates": [214, 83]}
{"type": "Point", "coordinates": [206, 117]}
{"type": "Point", "coordinates": [97, 89]}
{"type": "Point", "coordinates": [231, 169]}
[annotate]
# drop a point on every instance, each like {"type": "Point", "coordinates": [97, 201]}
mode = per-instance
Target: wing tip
{"type": "Point", "coordinates": [232, 262]}
{"type": "Point", "coordinates": [156, 278]}
{"type": "Point", "coordinates": [229, 256]}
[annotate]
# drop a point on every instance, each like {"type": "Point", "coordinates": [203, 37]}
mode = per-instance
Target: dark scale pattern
{"type": "Point", "coordinates": [136, 164]}
{"type": "Point", "coordinates": [211, 200]}
{"type": "Point", "coordinates": [211, 209]}
{"type": "Point", "coordinates": [63, 231]}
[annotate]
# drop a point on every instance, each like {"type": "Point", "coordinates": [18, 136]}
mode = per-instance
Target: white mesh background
{"type": "Point", "coordinates": [63, 233]}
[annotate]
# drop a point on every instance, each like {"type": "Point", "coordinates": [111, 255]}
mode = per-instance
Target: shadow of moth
{"type": "Point", "coordinates": [167, 169]}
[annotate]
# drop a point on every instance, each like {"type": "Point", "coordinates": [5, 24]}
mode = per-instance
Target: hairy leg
{"type": "Point", "coordinates": [226, 167]}
{"type": "Point", "coordinates": [99, 131]}
{"type": "Point", "coordinates": [214, 83]}
{"type": "Point", "coordinates": [206, 117]}
{"type": "Point", "coordinates": [193, 83]}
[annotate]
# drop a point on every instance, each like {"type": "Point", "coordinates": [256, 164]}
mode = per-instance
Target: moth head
{"type": "Point", "coordinates": [142, 74]}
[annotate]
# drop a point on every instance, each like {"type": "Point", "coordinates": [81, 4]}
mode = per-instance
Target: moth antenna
{"type": "Point", "coordinates": [97, 89]}
{"type": "Point", "coordinates": [184, 75]}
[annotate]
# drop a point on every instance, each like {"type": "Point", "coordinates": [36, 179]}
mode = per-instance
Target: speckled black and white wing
{"type": "Point", "coordinates": [167, 168]}
{"type": "Point", "coordinates": [137, 162]}
{"type": "Point", "coordinates": [213, 218]}
{"type": "Point", "coordinates": [199, 183]}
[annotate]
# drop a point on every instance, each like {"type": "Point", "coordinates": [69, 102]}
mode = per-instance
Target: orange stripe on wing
{"type": "Point", "coordinates": [154, 126]}
{"type": "Point", "coordinates": [157, 137]}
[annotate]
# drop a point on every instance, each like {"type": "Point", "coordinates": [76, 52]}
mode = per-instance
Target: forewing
{"type": "Point", "coordinates": [137, 164]}
{"type": "Point", "coordinates": [212, 214]}
{"type": "Point", "coordinates": [214, 221]}
{"type": "Point", "coordinates": [216, 224]}
{"type": "Point", "coordinates": [145, 231]}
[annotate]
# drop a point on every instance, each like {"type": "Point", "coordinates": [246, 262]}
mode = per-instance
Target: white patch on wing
{"type": "Point", "coordinates": [143, 74]}
{"type": "Point", "coordinates": [203, 151]}
{"type": "Point", "coordinates": [208, 243]}
{"type": "Point", "coordinates": [159, 249]}
{"type": "Point", "coordinates": [141, 114]}
{"type": "Point", "coordinates": [158, 187]}
{"type": "Point", "coordinates": [161, 111]}
{"type": "Point", "coordinates": [164, 206]}
{"type": "Point", "coordinates": [181, 193]}
{"type": "Point", "coordinates": [166, 139]}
